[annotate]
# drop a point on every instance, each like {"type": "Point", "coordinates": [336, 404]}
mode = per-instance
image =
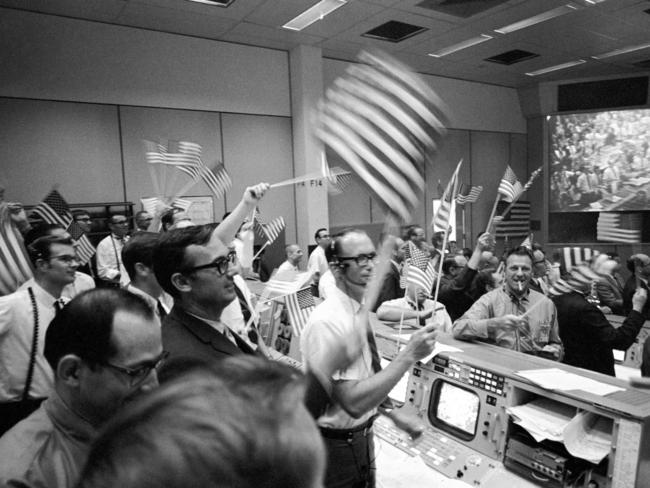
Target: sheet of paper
{"type": "Point", "coordinates": [543, 418]}
{"type": "Point", "coordinates": [557, 379]}
{"type": "Point", "coordinates": [589, 436]}
{"type": "Point", "coordinates": [439, 347]}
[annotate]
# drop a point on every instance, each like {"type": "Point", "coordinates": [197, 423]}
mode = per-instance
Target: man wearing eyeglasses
{"type": "Point", "coordinates": [197, 270]}
{"type": "Point", "coordinates": [104, 348]}
{"type": "Point", "coordinates": [360, 387]}
{"type": "Point", "coordinates": [109, 253]}
{"type": "Point", "coordinates": [25, 376]}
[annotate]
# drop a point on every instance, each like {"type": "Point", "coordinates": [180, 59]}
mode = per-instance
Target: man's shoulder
{"type": "Point", "coordinates": [22, 447]}
{"type": "Point", "coordinates": [17, 297]}
{"type": "Point", "coordinates": [104, 242]}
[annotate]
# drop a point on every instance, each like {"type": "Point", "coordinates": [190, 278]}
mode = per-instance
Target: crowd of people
{"type": "Point", "coordinates": [159, 377]}
{"type": "Point", "coordinates": [595, 154]}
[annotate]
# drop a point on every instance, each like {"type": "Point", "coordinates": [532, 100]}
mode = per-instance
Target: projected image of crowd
{"type": "Point", "coordinates": [600, 161]}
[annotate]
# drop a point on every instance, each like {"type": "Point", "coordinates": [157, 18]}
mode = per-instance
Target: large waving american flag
{"type": "Point", "coordinates": [384, 122]}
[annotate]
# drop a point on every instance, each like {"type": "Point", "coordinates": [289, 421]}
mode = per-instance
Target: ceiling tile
{"type": "Point", "coordinates": [174, 21]}
{"type": "Point", "coordinates": [237, 10]}
{"type": "Point", "coordinates": [100, 10]}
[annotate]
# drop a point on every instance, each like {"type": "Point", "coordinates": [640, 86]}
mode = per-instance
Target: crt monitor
{"type": "Point", "coordinates": [454, 409]}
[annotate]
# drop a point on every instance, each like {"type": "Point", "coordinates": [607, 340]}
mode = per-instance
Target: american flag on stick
{"type": "Point", "coordinates": [54, 210]}
{"type": "Point", "coordinates": [299, 306]}
{"type": "Point", "coordinates": [575, 256]}
{"type": "Point", "coordinates": [415, 256]}
{"type": "Point", "coordinates": [509, 186]}
{"type": "Point", "coordinates": [384, 122]}
{"type": "Point", "coordinates": [271, 230]}
{"type": "Point", "coordinates": [15, 267]}
{"type": "Point", "coordinates": [424, 279]}
{"type": "Point", "coordinates": [217, 179]}
{"type": "Point", "coordinates": [441, 218]}
{"type": "Point", "coordinates": [471, 197]}
{"type": "Point", "coordinates": [184, 155]}
{"type": "Point", "coordinates": [85, 250]}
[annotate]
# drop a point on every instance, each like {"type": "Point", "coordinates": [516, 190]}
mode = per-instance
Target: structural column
{"type": "Point", "coordinates": [306, 71]}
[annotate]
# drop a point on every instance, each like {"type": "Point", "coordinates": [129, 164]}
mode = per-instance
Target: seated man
{"type": "Point", "coordinates": [456, 282]}
{"type": "Point", "coordinates": [415, 308]}
{"type": "Point", "coordinates": [242, 425]}
{"type": "Point", "coordinates": [390, 286]}
{"type": "Point", "coordinates": [294, 256]}
{"type": "Point", "coordinates": [514, 316]}
{"type": "Point", "coordinates": [104, 347]}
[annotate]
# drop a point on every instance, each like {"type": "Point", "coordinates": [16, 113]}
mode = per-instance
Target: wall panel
{"type": "Point", "coordinates": [256, 149]}
{"type": "Point", "coordinates": [73, 145]}
{"type": "Point", "coordinates": [139, 124]}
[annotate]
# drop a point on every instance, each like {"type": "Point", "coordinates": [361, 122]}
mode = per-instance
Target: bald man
{"type": "Point", "coordinates": [294, 256]}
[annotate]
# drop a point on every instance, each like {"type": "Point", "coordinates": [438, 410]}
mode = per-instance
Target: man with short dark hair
{"type": "Point", "coordinates": [196, 268]}
{"type": "Point", "coordinates": [360, 387]}
{"type": "Point", "coordinates": [317, 264]}
{"type": "Point", "coordinates": [82, 217]}
{"type": "Point", "coordinates": [511, 316]}
{"type": "Point", "coordinates": [109, 253]}
{"type": "Point", "coordinates": [104, 348]}
{"type": "Point", "coordinates": [143, 220]}
{"type": "Point", "coordinates": [25, 376]}
{"type": "Point", "coordinates": [137, 256]}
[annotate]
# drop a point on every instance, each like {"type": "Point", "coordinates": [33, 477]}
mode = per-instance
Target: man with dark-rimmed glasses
{"type": "Point", "coordinates": [197, 270]}
{"type": "Point", "coordinates": [104, 347]}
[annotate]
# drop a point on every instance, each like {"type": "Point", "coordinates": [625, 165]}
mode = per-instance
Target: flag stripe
{"type": "Point", "coordinates": [516, 223]}
{"type": "Point", "coordinates": [299, 308]}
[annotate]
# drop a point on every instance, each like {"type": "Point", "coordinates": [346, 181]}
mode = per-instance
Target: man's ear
{"type": "Point", "coordinates": [67, 371]}
{"type": "Point", "coordinates": [181, 282]}
{"type": "Point", "coordinates": [142, 269]}
{"type": "Point", "coordinates": [42, 264]}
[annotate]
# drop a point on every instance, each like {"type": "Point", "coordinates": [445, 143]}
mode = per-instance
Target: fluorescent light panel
{"type": "Point", "coordinates": [623, 50]}
{"type": "Point", "coordinates": [461, 45]}
{"type": "Point", "coordinates": [214, 4]}
{"type": "Point", "coordinates": [537, 19]}
{"type": "Point", "coordinates": [314, 14]}
{"type": "Point", "coordinates": [557, 67]}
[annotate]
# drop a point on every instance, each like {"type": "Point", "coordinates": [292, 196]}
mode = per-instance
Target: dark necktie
{"type": "Point", "coordinates": [245, 311]}
{"type": "Point", "coordinates": [374, 353]}
{"type": "Point", "coordinates": [162, 313]}
{"type": "Point", "coordinates": [58, 305]}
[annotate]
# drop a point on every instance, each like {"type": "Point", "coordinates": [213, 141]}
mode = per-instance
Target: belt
{"type": "Point", "coordinates": [359, 431]}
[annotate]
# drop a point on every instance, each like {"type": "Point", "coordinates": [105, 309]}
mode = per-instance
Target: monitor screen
{"type": "Point", "coordinates": [600, 162]}
{"type": "Point", "coordinates": [454, 409]}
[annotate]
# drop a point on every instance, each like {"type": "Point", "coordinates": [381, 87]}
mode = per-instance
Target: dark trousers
{"type": "Point", "coordinates": [13, 412]}
{"type": "Point", "coordinates": [350, 458]}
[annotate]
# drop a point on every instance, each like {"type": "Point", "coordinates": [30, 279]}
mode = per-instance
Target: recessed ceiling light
{"type": "Point", "coordinates": [557, 67]}
{"type": "Point", "coordinates": [623, 50]}
{"type": "Point", "coordinates": [536, 19]}
{"type": "Point", "coordinates": [314, 14]}
{"type": "Point", "coordinates": [461, 45]}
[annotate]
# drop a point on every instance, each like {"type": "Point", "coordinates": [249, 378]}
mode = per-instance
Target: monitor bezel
{"type": "Point", "coordinates": [441, 424]}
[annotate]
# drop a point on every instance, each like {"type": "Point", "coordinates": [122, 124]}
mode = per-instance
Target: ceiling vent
{"type": "Point", "coordinates": [394, 31]}
{"type": "Point", "coordinates": [460, 8]}
{"type": "Point", "coordinates": [512, 57]}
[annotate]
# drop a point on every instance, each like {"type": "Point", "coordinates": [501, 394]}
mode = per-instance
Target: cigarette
{"type": "Point", "coordinates": [520, 285]}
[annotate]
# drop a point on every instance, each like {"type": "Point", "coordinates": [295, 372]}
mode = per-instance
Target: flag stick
{"type": "Point", "coordinates": [184, 189]}
{"type": "Point", "coordinates": [494, 210]}
{"type": "Point", "coordinates": [526, 187]}
{"type": "Point", "coordinates": [261, 249]}
{"type": "Point", "coordinates": [293, 181]}
{"type": "Point", "coordinates": [463, 223]}
{"type": "Point", "coordinates": [401, 323]}
{"type": "Point", "coordinates": [444, 243]}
